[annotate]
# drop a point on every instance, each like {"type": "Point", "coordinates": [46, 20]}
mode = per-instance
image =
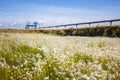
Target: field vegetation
{"type": "Point", "coordinates": [104, 31]}
{"type": "Point", "coordinates": [35, 56]}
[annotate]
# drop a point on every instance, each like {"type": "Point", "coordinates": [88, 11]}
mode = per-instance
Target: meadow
{"type": "Point", "coordinates": [33, 56]}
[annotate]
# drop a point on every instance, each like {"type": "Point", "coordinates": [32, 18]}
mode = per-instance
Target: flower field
{"type": "Point", "coordinates": [46, 57]}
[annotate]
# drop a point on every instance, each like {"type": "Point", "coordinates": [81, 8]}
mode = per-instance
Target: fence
{"type": "Point", "coordinates": [89, 23]}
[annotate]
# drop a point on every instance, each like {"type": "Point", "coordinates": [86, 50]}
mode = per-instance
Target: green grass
{"type": "Point", "coordinates": [99, 44]}
{"type": "Point", "coordinates": [16, 60]}
{"type": "Point", "coordinates": [82, 56]}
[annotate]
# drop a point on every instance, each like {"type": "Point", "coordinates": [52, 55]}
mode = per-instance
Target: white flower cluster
{"type": "Point", "coordinates": [65, 58]}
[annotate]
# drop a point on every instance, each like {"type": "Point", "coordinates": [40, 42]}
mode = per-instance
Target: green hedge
{"type": "Point", "coordinates": [106, 31]}
{"type": "Point", "coordinates": [99, 31]}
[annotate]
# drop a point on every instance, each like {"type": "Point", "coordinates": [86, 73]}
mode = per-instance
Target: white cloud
{"type": "Point", "coordinates": [54, 15]}
{"type": "Point", "coordinates": [57, 15]}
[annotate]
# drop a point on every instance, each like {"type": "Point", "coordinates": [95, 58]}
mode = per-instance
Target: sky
{"type": "Point", "coordinates": [16, 13]}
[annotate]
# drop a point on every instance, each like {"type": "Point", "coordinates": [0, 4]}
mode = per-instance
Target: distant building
{"type": "Point", "coordinates": [33, 25]}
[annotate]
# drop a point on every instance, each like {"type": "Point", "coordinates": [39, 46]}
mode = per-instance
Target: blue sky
{"type": "Point", "coordinates": [15, 13]}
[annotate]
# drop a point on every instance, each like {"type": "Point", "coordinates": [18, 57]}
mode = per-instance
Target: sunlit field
{"type": "Point", "coordinates": [46, 57]}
